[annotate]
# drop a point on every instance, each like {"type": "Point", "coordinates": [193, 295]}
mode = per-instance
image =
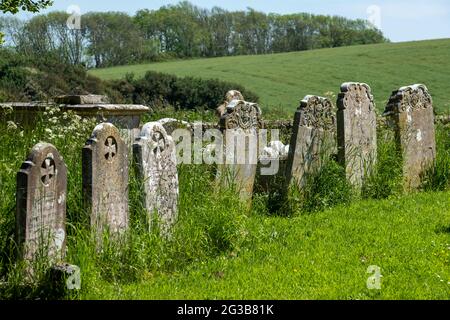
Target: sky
{"type": "Point", "coordinates": [400, 20]}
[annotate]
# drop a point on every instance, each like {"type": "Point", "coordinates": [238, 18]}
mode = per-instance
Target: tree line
{"type": "Point", "coordinates": [179, 31]}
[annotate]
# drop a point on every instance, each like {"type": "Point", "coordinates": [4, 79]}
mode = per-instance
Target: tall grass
{"type": "Point", "coordinates": [212, 221]}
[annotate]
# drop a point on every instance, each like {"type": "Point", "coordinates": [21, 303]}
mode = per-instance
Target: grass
{"type": "Point", "coordinates": [221, 250]}
{"type": "Point", "coordinates": [322, 256]}
{"type": "Point", "coordinates": [282, 80]}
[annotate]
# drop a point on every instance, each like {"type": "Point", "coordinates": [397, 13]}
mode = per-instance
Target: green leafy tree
{"type": "Point", "coordinates": [13, 6]}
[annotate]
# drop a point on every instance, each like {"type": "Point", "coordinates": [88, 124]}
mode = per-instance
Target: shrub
{"type": "Point", "coordinates": [160, 90]}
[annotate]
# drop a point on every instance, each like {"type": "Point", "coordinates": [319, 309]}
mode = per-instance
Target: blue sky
{"type": "Point", "coordinates": [400, 20]}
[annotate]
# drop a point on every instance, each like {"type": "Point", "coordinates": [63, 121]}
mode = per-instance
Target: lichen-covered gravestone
{"type": "Point", "coordinates": [313, 139]}
{"type": "Point", "coordinates": [411, 109]}
{"type": "Point", "coordinates": [156, 163]}
{"type": "Point", "coordinates": [105, 180]}
{"type": "Point", "coordinates": [41, 205]}
{"type": "Point", "coordinates": [240, 125]}
{"type": "Point", "coordinates": [230, 96]}
{"type": "Point", "coordinates": [356, 131]}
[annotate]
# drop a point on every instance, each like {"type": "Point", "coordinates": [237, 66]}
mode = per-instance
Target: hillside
{"type": "Point", "coordinates": [281, 80]}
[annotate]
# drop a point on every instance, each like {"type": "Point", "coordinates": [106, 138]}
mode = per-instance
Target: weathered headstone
{"type": "Point", "coordinates": [41, 205]}
{"type": "Point", "coordinates": [156, 162]}
{"type": "Point", "coordinates": [411, 109]}
{"type": "Point", "coordinates": [170, 125]}
{"type": "Point", "coordinates": [240, 126]}
{"type": "Point", "coordinates": [313, 138]}
{"type": "Point", "coordinates": [105, 180]}
{"type": "Point", "coordinates": [230, 96]}
{"type": "Point", "coordinates": [356, 131]}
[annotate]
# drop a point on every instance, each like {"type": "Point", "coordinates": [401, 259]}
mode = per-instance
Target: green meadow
{"type": "Point", "coordinates": [281, 80]}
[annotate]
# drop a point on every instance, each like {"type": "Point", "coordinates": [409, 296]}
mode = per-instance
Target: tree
{"type": "Point", "coordinates": [13, 6]}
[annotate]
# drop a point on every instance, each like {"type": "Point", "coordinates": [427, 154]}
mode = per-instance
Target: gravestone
{"type": "Point", "coordinates": [105, 180]}
{"type": "Point", "coordinates": [170, 125]}
{"type": "Point", "coordinates": [313, 138]}
{"type": "Point", "coordinates": [240, 125]}
{"type": "Point", "coordinates": [41, 205]}
{"type": "Point", "coordinates": [156, 163]}
{"type": "Point", "coordinates": [356, 131]}
{"type": "Point", "coordinates": [271, 174]}
{"type": "Point", "coordinates": [411, 111]}
{"type": "Point", "coordinates": [230, 96]}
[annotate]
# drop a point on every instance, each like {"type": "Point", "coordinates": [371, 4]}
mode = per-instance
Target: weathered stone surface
{"type": "Point", "coordinates": [271, 169]}
{"type": "Point", "coordinates": [81, 99]}
{"type": "Point", "coordinates": [105, 180]}
{"type": "Point", "coordinates": [41, 205]}
{"type": "Point", "coordinates": [156, 163]}
{"type": "Point", "coordinates": [125, 117]}
{"type": "Point", "coordinates": [170, 125]}
{"type": "Point", "coordinates": [230, 96]}
{"type": "Point", "coordinates": [411, 111]}
{"type": "Point", "coordinates": [240, 126]}
{"type": "Point", "coordinates": [313, 139]}
{"type": "Point", "coordinates": [356, 131]}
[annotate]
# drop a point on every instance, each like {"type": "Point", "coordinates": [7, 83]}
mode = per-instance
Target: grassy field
{"type": "Point", "coordinates": [322, 256]}
{"type": "Point", "coordinates": [281, 80]}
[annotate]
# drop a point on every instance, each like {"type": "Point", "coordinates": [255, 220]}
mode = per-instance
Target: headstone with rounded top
{"type": "Point", "coordinates": [41, 205]}
{"type": "Point", "coordinates": [156, 163]}
{"type": "Point", "coordinates": [105, 180]}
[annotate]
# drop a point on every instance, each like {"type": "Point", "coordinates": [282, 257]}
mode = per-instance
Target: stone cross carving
{"type": "Point", "coordinates": [110, 148]}
{"type": "Point", "coordinates": [105, 181]}
{"type": "Point", "coordinates": [41, 206]}
{"type": "Point", "coordinates": [356, 131]}
{"type": "Point", "coordinates": [313, 139]}
{"type": "Point", "coordinates": [47, 171]}
{"type": "Point", "coordinates": [156, 163]}
{"type": "Point", "coordinates": [410, 109]}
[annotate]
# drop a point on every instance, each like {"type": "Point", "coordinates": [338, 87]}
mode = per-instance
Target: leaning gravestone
{"type": "Point", "coordinates": [105, 180]}
{"type": "Point", "coordinates": [156, 163]}
{"type": "Point", "coordinates": [411, 109]}
{"type": "Point", "coordinates": [313, 138]}
{"type": "Point", "coordinates": [41, 205]}
{"type": "Point", "coordinates": [240, 125]}
{"type": "Point", "coordinates": [356, 131]}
